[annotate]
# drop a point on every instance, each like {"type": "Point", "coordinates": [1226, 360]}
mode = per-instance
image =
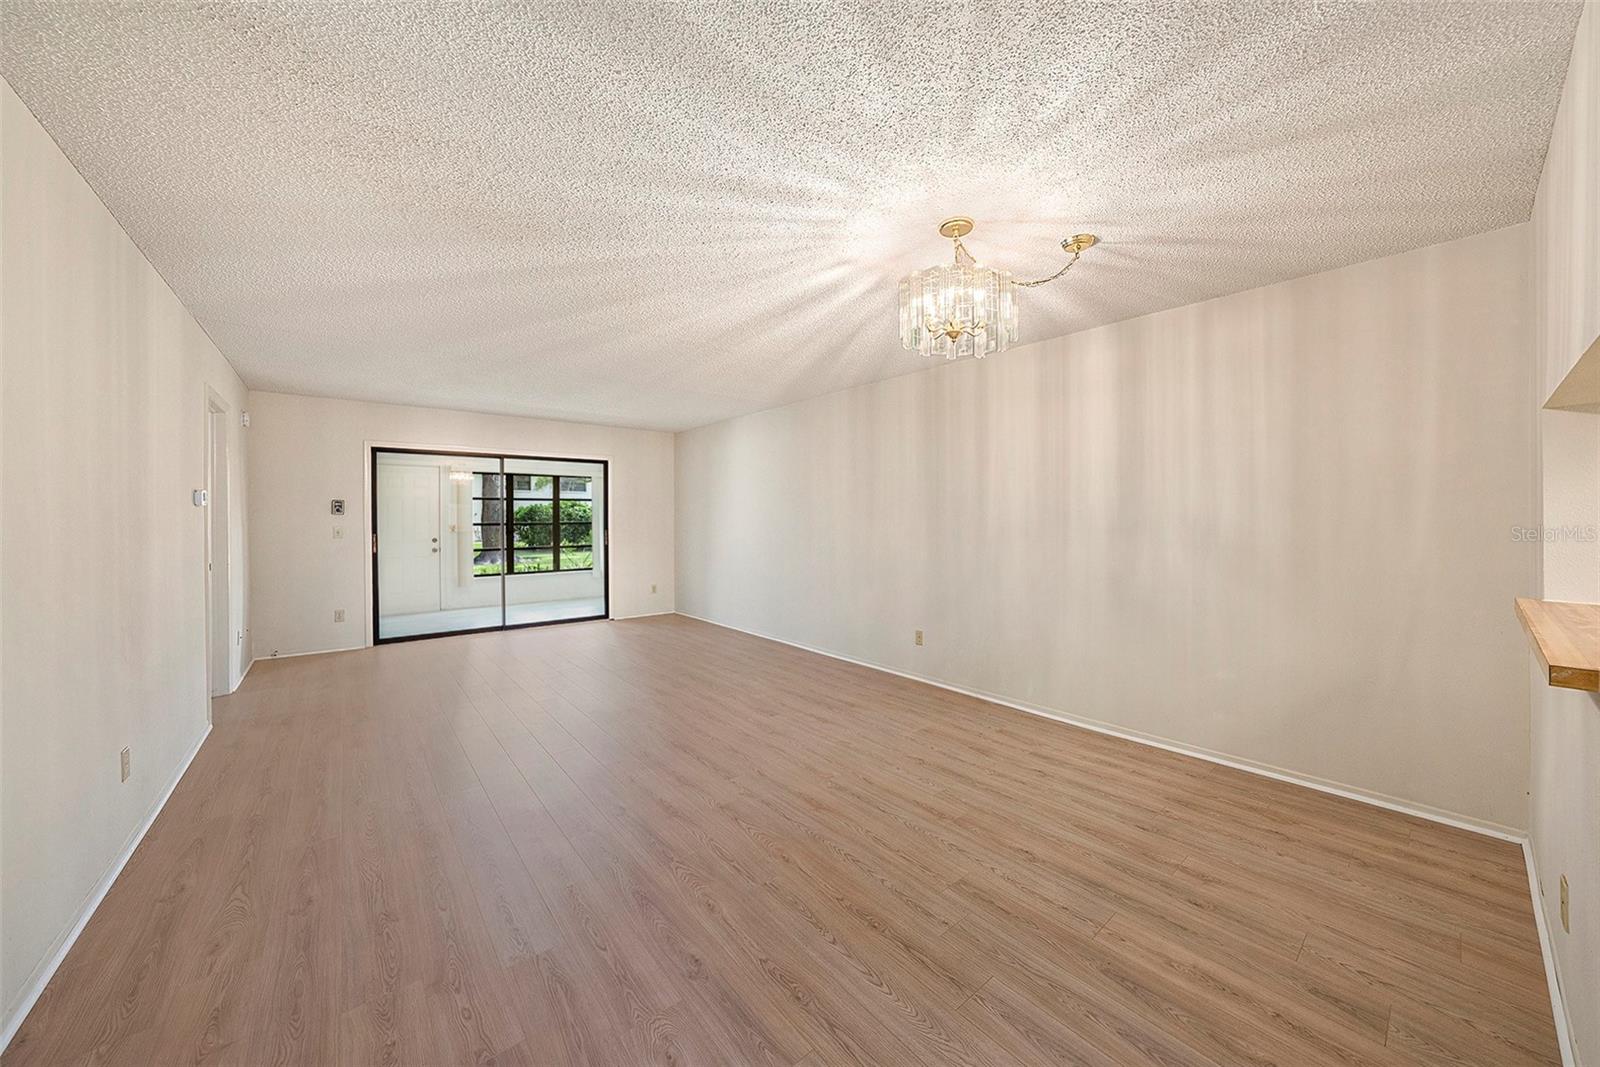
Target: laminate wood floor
{"type": "Point", "coordinates": [662, 841]}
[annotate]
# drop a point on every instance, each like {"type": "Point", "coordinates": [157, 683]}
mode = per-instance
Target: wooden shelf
{"type": "Point", "coordinates": [1580, 389]}
{"type": "Point", "coordinates": [1566, 637]}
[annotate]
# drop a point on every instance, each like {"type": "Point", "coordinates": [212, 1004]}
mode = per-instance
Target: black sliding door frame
{"type": "Point", "coordinates": [508, 535]}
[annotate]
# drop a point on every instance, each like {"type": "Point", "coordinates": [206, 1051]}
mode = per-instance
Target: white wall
{"type": "Point", "coordinates": [104, 641]}
{"type": "Point", "coordinates": [305, 451]}
{"type": "Point", "coordinates": [1565, 779]}
{"type": "Point", "coordinates": [1275, 525]}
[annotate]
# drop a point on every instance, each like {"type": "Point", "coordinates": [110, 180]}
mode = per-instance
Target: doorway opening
{"type": "Point", "coordinates": [219, 642]}
{"type": "Point", "coordinates": [464, 542]}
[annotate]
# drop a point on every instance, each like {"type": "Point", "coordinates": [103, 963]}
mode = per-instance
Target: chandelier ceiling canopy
{"type": "Point", "coordinates": [964, 308]}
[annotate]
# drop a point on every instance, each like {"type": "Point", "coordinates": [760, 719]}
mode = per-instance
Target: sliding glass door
{"type": "Point", "coordinates": [465, 542]}
{"type": "Point", "coordinates": [558, 545]}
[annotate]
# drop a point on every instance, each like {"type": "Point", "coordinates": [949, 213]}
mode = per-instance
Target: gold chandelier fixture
{"type": "Point", "coordinates": [964, 308]}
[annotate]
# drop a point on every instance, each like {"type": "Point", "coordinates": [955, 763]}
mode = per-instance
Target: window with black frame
{"type": "Point", "coordinates": [552, 523]}
{"type": "Point", "coordinates": [488, 525]}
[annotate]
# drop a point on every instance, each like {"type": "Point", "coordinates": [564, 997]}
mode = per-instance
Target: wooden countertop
{"type": "Point", "coordinates": [1566, 637]}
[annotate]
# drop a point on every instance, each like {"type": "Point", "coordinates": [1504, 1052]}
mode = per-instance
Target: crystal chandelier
{"type": "Point", "coordinates": [965, 309]}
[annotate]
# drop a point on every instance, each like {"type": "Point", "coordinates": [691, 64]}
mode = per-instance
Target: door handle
{"type": "Point", "coordinates": [435, 548]}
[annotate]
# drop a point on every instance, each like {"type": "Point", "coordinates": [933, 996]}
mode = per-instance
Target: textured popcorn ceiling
{"type": "Point", "coordinates": [666, 214]}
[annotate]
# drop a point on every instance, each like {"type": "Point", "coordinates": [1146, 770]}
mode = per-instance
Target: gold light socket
{"type": "Point", "coordinates": [959, 226]}
{"type": "Point", "coordinates": [1079, 241]}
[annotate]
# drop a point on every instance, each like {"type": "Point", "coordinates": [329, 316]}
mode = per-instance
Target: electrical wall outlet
{"type": "Point", "coordinates": [338, 615]}
{"type": "Point", "coordinates": [127, 769]}
{"type": "Point", "coordinates": [919, 637]}
{"type": "Point", "coordinates": [1566, 911]}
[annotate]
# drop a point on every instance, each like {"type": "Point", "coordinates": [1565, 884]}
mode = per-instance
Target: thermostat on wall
{"type": "Point", "coordinates": [338, 507]}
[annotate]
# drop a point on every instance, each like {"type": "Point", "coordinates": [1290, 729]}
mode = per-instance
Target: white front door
{"type": "Point", "coordinates": [408, 539]}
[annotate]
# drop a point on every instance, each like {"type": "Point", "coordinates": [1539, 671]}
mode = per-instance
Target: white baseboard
{"type": "Point", "coordinates": [1547, 949]}
{"type": "Point", "coordinates": [643, 615]}
{"type": "Point", "coordinates": [46, 970]}
{"type": "Point", "coordinates": [316, 652]}
{"type": "Point", "coordinates": [1382, 800]}
{"type": "Point", "coordinates": [246, 673]}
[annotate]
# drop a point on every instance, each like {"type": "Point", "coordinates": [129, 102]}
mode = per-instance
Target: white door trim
{"type": "Point", "coordinates": [218, 585]}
